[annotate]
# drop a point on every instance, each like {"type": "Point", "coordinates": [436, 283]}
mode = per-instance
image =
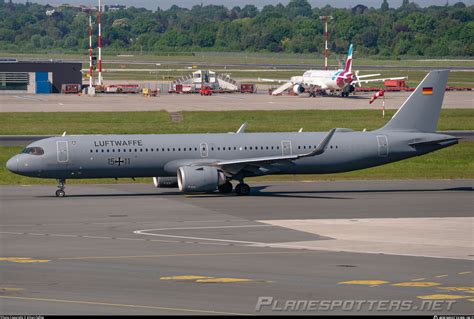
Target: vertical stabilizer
{"type": "Point", "coordinates": [349, 61]}
{"type": "Point", "coordinates": [420, 112]}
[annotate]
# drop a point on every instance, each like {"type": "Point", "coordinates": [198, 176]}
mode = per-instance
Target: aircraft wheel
{"type": "Point", "coordinates": [60, 193]}
{"type": "Point", "coordinates": [242, 189]}
{"type": "Point", "coordinates": [225, 188]}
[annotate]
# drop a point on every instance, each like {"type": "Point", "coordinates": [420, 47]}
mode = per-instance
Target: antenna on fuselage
{"type": "Point", "coordinates": [64, 133]}
{"type": "Point", "coordinates": [301, 130]}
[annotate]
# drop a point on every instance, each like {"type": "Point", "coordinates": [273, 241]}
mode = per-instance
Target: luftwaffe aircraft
{"type": "Point", "coordinates": [209, 162]}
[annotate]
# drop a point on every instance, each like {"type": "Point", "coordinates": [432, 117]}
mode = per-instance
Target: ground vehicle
{"type": "Point", "coordinates": [205, 90]}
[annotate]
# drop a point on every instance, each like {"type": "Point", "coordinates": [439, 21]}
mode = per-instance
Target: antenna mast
{"type": "Point", "coordinates": [326, 19]}
{"type": "Point", "coordinates": [90, 50]}
{"type": "Point", "coordinates": [99, 40]}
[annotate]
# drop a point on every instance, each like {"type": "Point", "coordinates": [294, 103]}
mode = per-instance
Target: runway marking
{"type": "Point", "coordinates": [466, 289]}
{"type": "Point", "coordinates": [120, 223]}
{"type": "Point", "coordinates": [441, 276]}
{"type": "Point", "coordinates": [364, 282]}
{"type": "Point", "coordinates": [441, 297]}
{"type": "Point", "coordinates": [464, 273]}
{"type": "Point", "coordinates": [23, 260]}
{"type": "Point", "coordinates": [191, 277]}
{"type": "Point", "coordinates": [11, 289]}
{"type": "Point", "coordinates": [225, 280]}
{"type": "Point", "coordinates": [122, 305]}
{"type": "Point", "coordinates": [97, 237]}
{"type": "Point", "coordinates": [418, 279]}
{"type": "Point", "coordinates": [185, 255]}
{"type": "Point", "coordinates": [210, 280]}
{"type": "Point", "coordinates": [417, 284]}
{"type": "Point", "coordinates": [147, 232]}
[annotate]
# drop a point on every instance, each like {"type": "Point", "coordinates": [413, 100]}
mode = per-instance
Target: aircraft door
{"type": "Point", "coordinates": [62, 149]}
{"type": "Point", "coordinates": [383, 145]}
{"type": "Point", "coordinates": [204, 150]}
{"type": "Point", "coordinates": [286, 148]}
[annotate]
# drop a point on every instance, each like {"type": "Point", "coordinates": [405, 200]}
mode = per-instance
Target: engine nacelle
{"type": "Point", "coordinates": [165, 182]}
{"type": "Point", "coordinates": [298, 89]}
{"type": "Point", "coordinates": [193, 179]}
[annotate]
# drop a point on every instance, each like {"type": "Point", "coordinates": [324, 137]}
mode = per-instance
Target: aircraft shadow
{"type": "Point", "coordinates": [258, 191]}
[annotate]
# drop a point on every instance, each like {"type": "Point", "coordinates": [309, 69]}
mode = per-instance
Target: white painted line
{"type": "Point", "coordinates": [59, 235]}
{"type": "Point", "coordinates": [148, 232]}
{"type": "Point", "coordinates": [97, 237]}
{"type": "Point", "coordinates": [10, 233]}
{"type": "Point", "coordinates": [214, 227]}
{"type": "Point", "coordinates": [139, 239]}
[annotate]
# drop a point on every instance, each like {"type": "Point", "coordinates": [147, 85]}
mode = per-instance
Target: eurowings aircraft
{"type": "Point", "coordinates": [343, 80]}
{"type": "Point", "coordinates": [210, 162]}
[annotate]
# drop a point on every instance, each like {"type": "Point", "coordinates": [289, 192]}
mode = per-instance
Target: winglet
{"type": "Point", "coordinates": [242, 128]}
{"type": "Point", "coordinates": [322, 146]}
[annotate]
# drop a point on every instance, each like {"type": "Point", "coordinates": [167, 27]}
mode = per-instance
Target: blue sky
{"type": "Point", "coordinates": [165, 4]}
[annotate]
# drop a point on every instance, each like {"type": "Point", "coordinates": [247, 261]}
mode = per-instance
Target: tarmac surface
{"type": "Point", "coordinates": [133, 249]}
{"type": "Point", "coordinates": [216, 102]}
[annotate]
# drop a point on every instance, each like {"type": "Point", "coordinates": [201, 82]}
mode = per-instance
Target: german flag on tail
{"type": "Point", "coordinates": [428, 90]}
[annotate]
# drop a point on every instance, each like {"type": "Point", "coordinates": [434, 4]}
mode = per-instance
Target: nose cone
{"type": "Point", "coordinates": [12, 164]}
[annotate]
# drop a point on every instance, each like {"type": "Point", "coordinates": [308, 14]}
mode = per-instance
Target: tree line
{"type": "Point", "coordinates": [293, 28]}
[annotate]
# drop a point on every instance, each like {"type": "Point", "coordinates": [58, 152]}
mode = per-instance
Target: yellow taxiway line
{"type": "Point", "coordinates": [122, 305]}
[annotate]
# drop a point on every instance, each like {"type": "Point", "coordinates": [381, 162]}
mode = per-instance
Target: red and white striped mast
{"type": "Point", "coordinates": [326, 19]}
{"type": "Point", "coordinates": [99, 40]}
{"type": "Point", "coordinates": [90, 50]}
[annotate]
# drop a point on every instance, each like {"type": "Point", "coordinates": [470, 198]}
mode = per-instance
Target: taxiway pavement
{"type": "Point", "coordinates": [216, 102]}
{"type": "Point", "coordinates": [134, 249]}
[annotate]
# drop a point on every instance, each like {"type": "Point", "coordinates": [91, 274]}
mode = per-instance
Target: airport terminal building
{"type": "Point", "coordinates": [37, 77]}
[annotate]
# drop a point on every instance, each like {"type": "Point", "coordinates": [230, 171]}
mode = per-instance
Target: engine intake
{"type": "Point", "coordinates": [165, 182]}
{"type": "Point", "coordinates": [193, 179]}
{"type": "Point", "coordinates": [298, 89]}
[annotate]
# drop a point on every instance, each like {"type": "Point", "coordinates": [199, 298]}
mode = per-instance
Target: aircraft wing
{"type": "Point", "coordinates": [234, 166]}
{"type": "Point", "coordinates": [314, 83]}
{"type": "Point", "coordinates": [379, 80]}
{"type": "Point", "coordinates": [273, 80]}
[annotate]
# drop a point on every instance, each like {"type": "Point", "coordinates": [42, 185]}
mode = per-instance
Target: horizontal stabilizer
{"type": "Point", "coordinates": [438, 141]}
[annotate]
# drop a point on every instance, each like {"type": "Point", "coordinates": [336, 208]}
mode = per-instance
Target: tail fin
{"type": "Point", "coordinates": [420, 112]}
{"type": "Point", "coordinates": [349, 61]}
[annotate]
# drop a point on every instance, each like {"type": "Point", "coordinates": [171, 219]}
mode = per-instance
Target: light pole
{"type": "Point", "coordinates": [156, 71]}
{"type": "Point", "coordinates": [326, 19]}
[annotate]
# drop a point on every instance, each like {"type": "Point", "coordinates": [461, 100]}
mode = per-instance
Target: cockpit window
{"type": "Point", "coordinates": [33, 151]}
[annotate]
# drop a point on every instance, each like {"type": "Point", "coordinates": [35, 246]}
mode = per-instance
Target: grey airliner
{"type": "Point", "coordinates": [210, 162]}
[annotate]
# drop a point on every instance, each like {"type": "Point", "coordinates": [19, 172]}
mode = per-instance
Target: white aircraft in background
{"type": "Point", "coordinates": [324, 80]}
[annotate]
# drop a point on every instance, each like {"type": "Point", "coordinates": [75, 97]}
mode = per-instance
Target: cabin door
{"type": "Point", "coordinates": [285, 148]}
{"type": "Point", "coordinates": [383, 145]}
{"type": "Point", "coordinates": [63, 154]}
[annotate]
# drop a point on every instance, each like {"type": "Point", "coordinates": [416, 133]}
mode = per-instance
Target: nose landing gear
{"type": "Point", "coordinates": [60, 192]}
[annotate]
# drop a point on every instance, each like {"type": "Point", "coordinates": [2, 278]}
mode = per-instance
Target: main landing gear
{"type": "Point", "coordinates": [226, 188]}
{"type": "Point", "coordinates": [60, 192]}
{"type": "Point", "coordinates": [241, 189]}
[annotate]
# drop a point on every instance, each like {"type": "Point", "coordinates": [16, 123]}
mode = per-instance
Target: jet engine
{"type": "Point", "coordinates": [193, 179]}
{"type": "Point", "coordinates": [165, 182]}
{"type": "Point", "coordinates": [298, 89]}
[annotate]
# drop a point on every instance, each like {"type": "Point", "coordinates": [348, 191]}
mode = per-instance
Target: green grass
{"type": "Point", "coordinates": [454, 162]}
{"type": "Point", "coordinates": [203, 122]}
{"type": "Point", "coordinates": [202, 58]}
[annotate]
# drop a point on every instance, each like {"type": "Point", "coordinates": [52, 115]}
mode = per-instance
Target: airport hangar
{"type": "Point", "coordinates": [37, 76]}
